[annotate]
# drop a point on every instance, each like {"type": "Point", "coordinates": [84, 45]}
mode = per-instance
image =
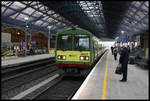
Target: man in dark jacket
{"type": "Point", "coordinates": [112, 49]}
{"type": "Point", "coordinates": [124, 56]}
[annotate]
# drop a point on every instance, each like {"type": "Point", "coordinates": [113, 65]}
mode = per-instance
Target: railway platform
{"type": "Point", "coordinates": [103, 83]}
{"type": "Point", "coordinates": [16, 60]}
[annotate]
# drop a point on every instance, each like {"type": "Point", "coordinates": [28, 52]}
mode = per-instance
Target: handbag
{"type": "Point", "coordinates": [118, 69]}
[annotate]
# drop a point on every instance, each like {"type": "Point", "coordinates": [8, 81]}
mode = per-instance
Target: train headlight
{"type": "Point", "coordinates": [81, 58]}
{"type": "Point", "coordinates": [59, 57]}
{"type": "Point", "coordinates": [87, 58]}
{"type": "Point", "coordinates": [64, 57]}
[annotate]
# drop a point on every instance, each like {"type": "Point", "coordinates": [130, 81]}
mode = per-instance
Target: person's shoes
{"type": "Point", "coordinates": [123, 80]}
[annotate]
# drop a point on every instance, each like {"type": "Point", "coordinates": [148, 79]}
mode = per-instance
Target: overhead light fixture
{"type": "Point", "coordinates": [49, 27]}
{"type": "Point", "coordinates": [122, 32]}
{"type": "Point", "coordinates": [26, 18]}
{"type": "Point", "coordinates": [18, 33]}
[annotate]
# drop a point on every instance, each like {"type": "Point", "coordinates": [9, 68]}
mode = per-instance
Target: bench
{"type": "Point", "coordinates": [142, 63]}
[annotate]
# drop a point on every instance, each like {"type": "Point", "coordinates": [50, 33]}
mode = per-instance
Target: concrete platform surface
{"type": "Point", "coordinates": [103, 83]}
{"type": "Point", "coordinates": [14, 60]}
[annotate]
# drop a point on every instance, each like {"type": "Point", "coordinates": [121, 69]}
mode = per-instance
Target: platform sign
{"type": "Point", "coordinates": [138, 39]}
{"type": "Point", "coordinates": [33, 42]}
{"type": "Point", "coordinates": [53, 41]}
{"type": "Point", "coordinates": [23, 45]}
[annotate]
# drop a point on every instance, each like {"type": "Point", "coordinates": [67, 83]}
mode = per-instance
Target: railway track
{"type": "Point", "coordinates": [13, 71]}
{"type": "Point", "coordinates": [62, 90]}
{"type": "Point", "coordinates": [19, 80]}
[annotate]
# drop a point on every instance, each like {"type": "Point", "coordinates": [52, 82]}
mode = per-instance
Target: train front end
{"type": "Point", "coordinates": [73, 52]}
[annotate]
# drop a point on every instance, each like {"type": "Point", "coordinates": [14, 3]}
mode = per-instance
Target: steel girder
{"type": "Point", "coordinates": [111, 11]}
{"type": "Point", "coordinates": [73, 12]}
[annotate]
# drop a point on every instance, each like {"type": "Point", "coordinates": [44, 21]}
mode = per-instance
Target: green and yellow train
{"type": "Point", "coordinates": [76, 50]}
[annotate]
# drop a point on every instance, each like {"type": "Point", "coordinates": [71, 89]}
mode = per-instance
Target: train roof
{"type": "Point", "coordinates": [67, 31]}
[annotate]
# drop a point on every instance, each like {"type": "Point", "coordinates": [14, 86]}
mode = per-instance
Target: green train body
{"type": "Point", "coordinates": [76, 49]}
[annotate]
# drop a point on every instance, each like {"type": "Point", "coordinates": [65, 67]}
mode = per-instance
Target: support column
{"type": "Point", "coordinates": [49, 42]}
{"type": "Point", "coordinates": [30, 40]}
{"type": "Point", "coordinates": [26, 43]}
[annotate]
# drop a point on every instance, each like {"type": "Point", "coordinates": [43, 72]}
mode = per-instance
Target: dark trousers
{"type": "Point", "coordinates": [112, 52]}
{"type": "Point", "coordinates": [124, 71]}
{"type": "Point", "coordinates": [115, 56]}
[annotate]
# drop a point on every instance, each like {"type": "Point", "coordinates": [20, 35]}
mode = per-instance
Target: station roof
{"type": "Point", "coordinates": [104, 19]}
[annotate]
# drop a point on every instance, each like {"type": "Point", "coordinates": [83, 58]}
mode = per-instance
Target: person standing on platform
{"type": "Point", "coordinates": [112, 49]}
{"type": "Point", "coordinates": [128, 48]}
{"type": "Point", "coordinates": [124, 56]}
{"type": "Point", "coordinates": [115, 53]}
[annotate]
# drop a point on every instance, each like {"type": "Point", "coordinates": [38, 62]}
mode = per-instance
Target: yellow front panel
{"type": "Point", "coordinates": [74, 55]}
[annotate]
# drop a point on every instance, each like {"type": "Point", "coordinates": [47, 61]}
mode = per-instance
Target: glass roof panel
{"type": "Point", "coordinates": [140, 14]}
{"type": "Point", "coordinates": [137, 4]}
{"type": "Point", "coordinates": [146, 3]}
{"type": "Point", "coordinates": [45, 18]}
{"type": "Point", "coordinates": [39, 22]}
{"type": "Point", "coordinates": [37, 14]}
{"type": "Point", "coordinates": [3, 8]}
{"type": "Point", "coordinates": [55, 15]}
{"type": "Point", "coordinates": [129, 12]}
{"type": "Point", "coordinates": [146, 20]}
{"type": "Point", "coordinates": [137, 17]}
{"type": "Point", "coordinates": [44, 24]}
{"type": "Point", "coordinates": [26, 2]}
{"type": "Point", "coordinates": [135, 23]}
{"type": "Point", "coordinates": [133, 9]}
{"type": "Point", "coordinates": [50, 19]}
{"type": "Point", "coordinates": [21, 17]}
{"type": "Point", "coordinates": [50, 12]}
{"type": "Point", "coordinates": [13, 16]}
{"type": "Point", "coordinates": [17, 5]}
{"type": "Point", "coordinates": [28, 10]}
{"type": "Point", "coordinates": [144, 6]}
{"type": "Point", "coordinates": [41, 8]}
{"type": "Point", "coordinates": [6, 3]}
{"type": "Point", "coordinates": [8, 11]}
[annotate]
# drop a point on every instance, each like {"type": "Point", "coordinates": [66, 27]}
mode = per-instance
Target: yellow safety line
{"type": "Point", "coordinates": [105, 81]}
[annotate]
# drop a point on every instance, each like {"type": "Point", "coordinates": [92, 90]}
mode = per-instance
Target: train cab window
{"type": "Point", "coordinates": [82, 42]}
{"type": "Point", "coordinates": [64, 42]}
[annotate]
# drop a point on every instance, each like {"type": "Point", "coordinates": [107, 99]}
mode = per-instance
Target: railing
{"type": "Point", "coordinates": [11, 52]}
